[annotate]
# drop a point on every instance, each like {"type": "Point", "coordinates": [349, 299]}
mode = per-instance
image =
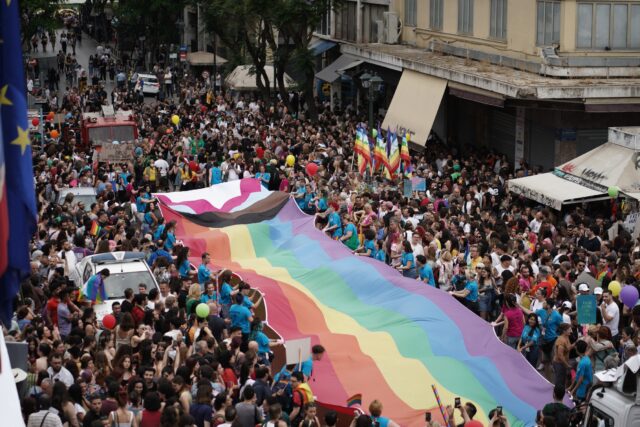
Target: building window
{"type": "Point", "coordinates": [411, 12]}
{"type": "Point", "coordinates": [324, 26]}
{"type": "Point", "coordinates": [345, 24]}
{"type": "Point", "coordinates": [465, 16]}
{"type": "Point", "coordinates": [608, 25]}
{"type": "Point", "coordinates": [498, 19]}
{"type": "Point", "coordinates": [436, 13]}
{"type": "Point", "coordinates": [548, 23]}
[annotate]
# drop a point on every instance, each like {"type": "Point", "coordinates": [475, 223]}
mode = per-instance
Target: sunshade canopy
{"type": "Point", "coordinates": [415, 105]}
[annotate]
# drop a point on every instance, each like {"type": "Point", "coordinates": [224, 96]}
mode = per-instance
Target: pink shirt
{"type": "Point", "coordinates": [516, 321]}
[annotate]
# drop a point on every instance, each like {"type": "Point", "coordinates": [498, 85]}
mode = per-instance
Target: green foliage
{"type": "Point", "coordinates": [153, 19]}
{"type": "Point", "coordinates": [38, 14]}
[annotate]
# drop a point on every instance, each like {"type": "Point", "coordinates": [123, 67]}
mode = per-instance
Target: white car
{"type": "Point", "coordinates": [149, 84]}
{"type": "Point", "coordinates": [127, 270]}
{"type": "Point", "coordinates": [86, 195]}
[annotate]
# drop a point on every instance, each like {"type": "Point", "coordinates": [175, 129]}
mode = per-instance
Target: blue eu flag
{"type": "Point", "coordinates": [17, 196]}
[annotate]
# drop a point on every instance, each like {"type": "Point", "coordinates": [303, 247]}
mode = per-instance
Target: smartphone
{"type": "Point", "coordinates": [427, 417]}
{"type": "Point", "coordinates": [457, 402]}
{"type": "Point", "coordinates": [499, 411]}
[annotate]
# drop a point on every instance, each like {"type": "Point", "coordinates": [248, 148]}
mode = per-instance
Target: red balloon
{"type": "Point", "coordinates": [35, 121]}
{"type": "Point", "coordinates": [312, 168]}
{"type": "Point", "coordinates": [203, 108]}
{"type": "Point", "coordinates": [169, 130]}
{"type": "Point", "coordinates": [109, 321]}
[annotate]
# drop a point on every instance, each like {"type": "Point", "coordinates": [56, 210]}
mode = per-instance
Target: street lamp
{"type": "Point", "coordinates": [372, 83]}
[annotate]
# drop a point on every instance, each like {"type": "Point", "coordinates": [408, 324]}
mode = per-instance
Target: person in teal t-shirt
{"type": "Point", "coordinates": [334, 224]}
{"type": "Point", "coordinates": [584, 373]}
{"type": "Point", "coordinates": [380, 254]}
{"type": "Point", "coordinates": [425, 272]}
{"type": "Point", "coordinates": [240, 316]}
{"type": "Point", "coordinates": [407, 262]}
{"type": "Point", "coordinates": [368, 248]}
{"type": "Point", "coordinates": [350, 233]}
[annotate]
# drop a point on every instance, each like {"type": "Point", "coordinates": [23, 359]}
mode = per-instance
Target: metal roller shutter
{"type": "Point", "coordinates": [503, 133]}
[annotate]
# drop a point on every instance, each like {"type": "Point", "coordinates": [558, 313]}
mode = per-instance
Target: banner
{"type": "Point", "coordinates": [116, 152]}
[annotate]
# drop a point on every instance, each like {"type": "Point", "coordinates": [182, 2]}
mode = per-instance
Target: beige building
{"type": "Point", "coordinates": [538, 80]}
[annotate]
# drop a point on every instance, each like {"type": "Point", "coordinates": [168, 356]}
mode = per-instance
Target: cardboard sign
{"type": "Point", "coordinates": [412, 185]}
{"type": "Point", "coordinates": [587, 306]}
{"type": "Point", "coordinates": [116, 152]}
{"type": "Point", "coordinates": [298, 351]}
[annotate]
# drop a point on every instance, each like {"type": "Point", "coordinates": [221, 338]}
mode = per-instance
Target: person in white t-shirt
{"type": "Point", "coordinates": [610, 313]}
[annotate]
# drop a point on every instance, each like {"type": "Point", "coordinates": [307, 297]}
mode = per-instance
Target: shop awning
{"type": "Point", "coordinates": [330, 73]}
{"type": "Point", "coordinates": [320, 46]}
{"type": "Point", "coordinates": [553, 191]}
{"type": "Point", "coordinates": [414, 105]}
{"type": "Point", "coordinates": [204, 58]}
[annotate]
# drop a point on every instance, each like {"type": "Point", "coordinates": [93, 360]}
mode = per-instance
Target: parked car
{"type": "Point", "coordinates": [128, 270]}
{"type": "Point", "coordinates": [149, 84]}
{"type": "Point", "coordinates": [86, 195]}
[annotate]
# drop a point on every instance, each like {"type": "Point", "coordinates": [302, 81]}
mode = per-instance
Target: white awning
{"type": "Point", "coordinates": [330, 73]}
{"type": "Point", "coordinates": [204, 58]}
{"type": "Point", "coordinates": [553, 191]}
{"type": "Point", "coordinates": [414, 105]}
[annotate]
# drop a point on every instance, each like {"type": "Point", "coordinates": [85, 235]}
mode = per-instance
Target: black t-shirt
{"type": "Point", "coordinates": [126, 306]}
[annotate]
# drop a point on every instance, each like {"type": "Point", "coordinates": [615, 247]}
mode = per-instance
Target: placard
{"type": "Point", "coordinates": [407, 188]}
{"type": "Point", "coordinates": [116, 152]}
{"type": "Point", "coordinates": [298, 351]}
{"type": "Point", "coordinates": [586, 307]}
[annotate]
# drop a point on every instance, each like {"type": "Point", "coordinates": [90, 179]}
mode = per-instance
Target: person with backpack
{"type": "Point", "coordinates": [302, 395]}
{"type": "Point", "coordinates": [248, 413]}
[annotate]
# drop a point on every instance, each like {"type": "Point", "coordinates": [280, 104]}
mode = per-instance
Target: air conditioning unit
{"type": "Point", "coordinates": [393, 27]}
{"type": "Point", "coordinates": [380, 31]}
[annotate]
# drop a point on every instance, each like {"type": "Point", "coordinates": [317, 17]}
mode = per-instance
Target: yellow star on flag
{"type": "Point", "coordinates": [3, 96]}
{"type": "Point", "coordinates": [22, 140]}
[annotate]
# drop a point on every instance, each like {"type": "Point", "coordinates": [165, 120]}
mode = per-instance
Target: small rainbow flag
{"type": "Point", "coordinates": [354, 400]}
{"type": "Point", "coordinates": [95, 228]}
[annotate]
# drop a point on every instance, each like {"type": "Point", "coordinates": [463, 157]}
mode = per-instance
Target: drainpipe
{"type": "Point", "coordinates": [359, 21]}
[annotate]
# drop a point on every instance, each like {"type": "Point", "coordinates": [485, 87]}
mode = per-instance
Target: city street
{"type": "Point", "coordinates": [403, 213]}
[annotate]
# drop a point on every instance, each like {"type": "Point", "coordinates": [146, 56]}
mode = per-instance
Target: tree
{"type": "Point", "coordinates": [38, 14]}
{"type": "Point", "coordinates": [153, 19]}
{"type": "Point", "coordinates": [244, 27]}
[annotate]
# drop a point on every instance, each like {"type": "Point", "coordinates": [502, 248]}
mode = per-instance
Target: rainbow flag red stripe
{"type": "Point", "coordinates": [382, 332]}
{"type": "Point", "coordinates": [354, 400]}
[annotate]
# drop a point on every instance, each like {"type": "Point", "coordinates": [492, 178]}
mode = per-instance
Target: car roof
{"type": "Point", "coordinates": [78, 191]}
{"type": "Point", "coordinates": [116, 257]}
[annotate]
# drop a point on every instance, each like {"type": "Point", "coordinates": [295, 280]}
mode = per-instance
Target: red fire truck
{"type": "Point", "coordinates": [108, 126]}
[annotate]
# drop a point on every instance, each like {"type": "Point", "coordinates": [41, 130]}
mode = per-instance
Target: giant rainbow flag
{"type": "Point", "coordinates": [387, 337]}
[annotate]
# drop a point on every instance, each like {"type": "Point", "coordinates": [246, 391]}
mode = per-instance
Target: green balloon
{"type": "Point", "coordinates": [374, 133]}
{"type": "Point", "coordinates": [613, 192]}
{"type": "Point", "coordinates": [202, 310]}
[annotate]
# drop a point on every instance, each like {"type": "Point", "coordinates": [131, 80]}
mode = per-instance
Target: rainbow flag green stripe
{"type": "Point", "coordinates": [387, 337]}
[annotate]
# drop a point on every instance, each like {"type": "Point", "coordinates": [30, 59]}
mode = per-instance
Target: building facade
{"type": "Point", "coordinates": [538, 80]}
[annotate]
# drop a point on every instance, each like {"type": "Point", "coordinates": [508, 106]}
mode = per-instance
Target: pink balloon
{"type": "Point", "coordinates": [312, 168]}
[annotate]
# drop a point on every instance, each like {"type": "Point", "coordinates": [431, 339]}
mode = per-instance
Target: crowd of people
{"type": "Point", "coordinates": [513, 263]}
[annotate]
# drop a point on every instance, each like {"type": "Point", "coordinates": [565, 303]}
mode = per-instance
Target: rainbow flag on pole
{"type": "Point", "coordinates": [364, 156]}
{"type": "Point", "coordinates": [394, 153]}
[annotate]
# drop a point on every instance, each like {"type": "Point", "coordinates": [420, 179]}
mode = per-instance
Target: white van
{"type": "Point", "coordinates": [616, 404]}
